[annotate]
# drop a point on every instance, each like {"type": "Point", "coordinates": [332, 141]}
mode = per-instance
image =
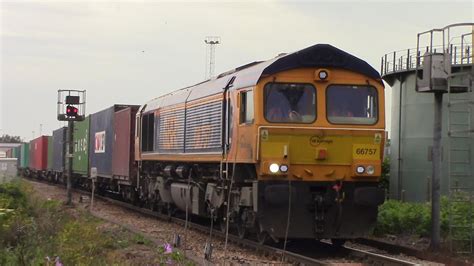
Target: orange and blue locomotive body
{"type": "Point", "coordinates": [290, 147]}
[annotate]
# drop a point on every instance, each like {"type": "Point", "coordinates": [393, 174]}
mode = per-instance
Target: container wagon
{"type": "Point", "coordinates": [57, 151]}
{"type": "Point", "coordinates": [38, 164]}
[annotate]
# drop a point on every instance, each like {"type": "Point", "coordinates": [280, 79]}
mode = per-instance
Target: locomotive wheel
{"type": "Point", "coordinates": [169, 212]}
{"type": "Point", "coordinates": [158, 208]}
{"type": "Point", "coordinates": [262, 237]}
{"type": "Point", "coordinates": [241, 230]}
{"type": "Point", "coordinates": [223, 226]}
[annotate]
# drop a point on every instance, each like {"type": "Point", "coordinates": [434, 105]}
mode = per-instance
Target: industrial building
{"type": "Point", "coordinates": [413, 115]}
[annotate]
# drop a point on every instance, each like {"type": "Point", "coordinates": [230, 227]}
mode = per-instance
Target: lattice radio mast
{"type": "Point", "coordinates": [211, 42]}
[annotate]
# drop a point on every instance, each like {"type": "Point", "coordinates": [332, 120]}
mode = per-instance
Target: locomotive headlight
{"type": "Point", "coordinates": [283, 168]}
{"type": "Point", "coordinates": [370, 169]}
{"type": "Point", "coordinates": [274, 167]}
{"type": "Point", "coordinates": [360, 170]}
{"type": "Point", "coordinates": [322, 75]}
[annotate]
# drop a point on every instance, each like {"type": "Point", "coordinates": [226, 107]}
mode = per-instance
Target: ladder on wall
{"type": "Point", "coordinates": [461, 153]}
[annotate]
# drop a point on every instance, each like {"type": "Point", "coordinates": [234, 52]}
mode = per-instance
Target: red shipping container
{"type": "Point", "coordinates": [39, 153]}
{"type": "Point", "coordinates": [123, 143]}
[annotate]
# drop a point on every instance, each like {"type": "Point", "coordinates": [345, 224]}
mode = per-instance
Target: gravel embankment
{"type": "Point", "coordinates": [160, 231]}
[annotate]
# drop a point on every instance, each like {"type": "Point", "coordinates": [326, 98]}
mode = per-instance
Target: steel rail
{"type": "Point", "coordinates": [384, 259]}
{"type": "Point", "coordinates": [373, 257]}
{"type": "Point", "coordinates": [417, 253]}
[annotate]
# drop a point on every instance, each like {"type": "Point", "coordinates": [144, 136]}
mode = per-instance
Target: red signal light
{"type": "Point", "coordinates": [71, 111]}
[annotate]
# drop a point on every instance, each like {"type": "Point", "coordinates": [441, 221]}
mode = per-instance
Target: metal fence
{"type": "Point", "coordinates": [404, 60]}
{"type": "Point", "coordinates": [455, 40]}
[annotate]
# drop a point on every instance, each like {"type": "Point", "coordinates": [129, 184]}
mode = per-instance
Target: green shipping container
{"type": "Point", "coordinates": [80, 162]}
{"type": "Point", "coordinates": [25, 155]}
{"type": "Point", "coordinates": [16, 152]}
{"type": "Point", "coordinates": [50, 153]}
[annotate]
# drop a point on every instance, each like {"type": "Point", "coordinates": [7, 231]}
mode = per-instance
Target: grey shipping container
{"type": "Point", "coordinates": [101, 140]}
{"type": "Point", "coordinates": [59, 149]}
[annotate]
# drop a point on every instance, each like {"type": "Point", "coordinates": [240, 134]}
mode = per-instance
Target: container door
{"type": "Point", "coordinates": [50, 153]}
{"type": "Point", "coordinates": [122, 143]}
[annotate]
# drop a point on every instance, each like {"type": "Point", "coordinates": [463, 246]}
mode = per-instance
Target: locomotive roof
{"type": "Point", "coordinates": [319, 55]}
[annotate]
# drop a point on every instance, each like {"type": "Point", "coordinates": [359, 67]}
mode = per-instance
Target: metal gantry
{"type": "Point", "coordinates": [211, 42]}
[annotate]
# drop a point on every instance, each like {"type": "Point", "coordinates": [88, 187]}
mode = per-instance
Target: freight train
{"type": "Point", "coordinates": [289, 148]}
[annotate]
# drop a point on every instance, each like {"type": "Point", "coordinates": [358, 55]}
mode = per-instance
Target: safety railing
{"type": "Point", "coordinates": [459, 47]}
{"type": "Point", "coordinates": [404, 60]}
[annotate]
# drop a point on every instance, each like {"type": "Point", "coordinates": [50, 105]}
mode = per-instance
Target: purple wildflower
{"type": "Point", "coordinates": [58, 262]}
{"type": "Point", "coordinates": [168, 249]}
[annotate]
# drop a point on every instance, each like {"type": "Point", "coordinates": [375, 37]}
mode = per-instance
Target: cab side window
{"type": "Point", "coordinates": [148, 124]}
{"type": "Point", "coordinates": [246, 107]}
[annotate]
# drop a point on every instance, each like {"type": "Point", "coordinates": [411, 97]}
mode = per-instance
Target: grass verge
{"type": "Point", "coordinates": [37, 232]}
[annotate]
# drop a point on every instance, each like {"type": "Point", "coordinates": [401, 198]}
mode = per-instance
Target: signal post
{"type": "Point", "coordinates": [71, 107]}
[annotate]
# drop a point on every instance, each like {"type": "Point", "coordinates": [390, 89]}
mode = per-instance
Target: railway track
{"type": "Point", "coordinates": [299, 253]}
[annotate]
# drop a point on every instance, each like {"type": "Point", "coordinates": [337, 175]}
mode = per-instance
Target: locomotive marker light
{"type": "Point", "coordinates": [71, 106]}
{"type": "Point", "coordinates": [360, 170]}
{"type": "Point", "coordinates": [370, 170]}
{"type": "Point", "coordinates": [284, 168]}
{"type": "Point", "coordinates": [321, 75]}
{"type": "Point", "coordinates": [274, 168]}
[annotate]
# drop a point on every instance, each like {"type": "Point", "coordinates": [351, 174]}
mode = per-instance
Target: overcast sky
{"type": "Point", "coordinates": [133, 51]}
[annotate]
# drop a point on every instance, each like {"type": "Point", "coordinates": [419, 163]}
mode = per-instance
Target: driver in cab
{"type": "Point", "coordinates": [279, 109]}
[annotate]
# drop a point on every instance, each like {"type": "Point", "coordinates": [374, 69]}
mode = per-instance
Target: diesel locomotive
{"type": "Point", "coordinates": [289, 148]}
{"type": "Point", "coordinates": [286, 148]}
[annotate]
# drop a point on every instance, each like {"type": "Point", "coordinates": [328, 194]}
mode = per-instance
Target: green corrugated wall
{"type": "Point", "coordinates": [25, 155]}
{"type": "Point", "coordinates": [80, 163]}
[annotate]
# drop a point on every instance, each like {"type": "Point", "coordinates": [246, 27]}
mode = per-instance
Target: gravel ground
{"type": "Point", "coordinates": [399, 256]}
{"type": "Point", "coordinates": [162, 232]}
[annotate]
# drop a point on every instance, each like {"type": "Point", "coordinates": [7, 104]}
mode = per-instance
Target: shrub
{"type": "Point", "coordinates": [404, 218]}
{"type": "Point", "coordinates": [32, 229]}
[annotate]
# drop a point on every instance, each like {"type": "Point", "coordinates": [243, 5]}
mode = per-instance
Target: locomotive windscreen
{"type": "Point", "coordinates": [290, 103]}
{"type": "Point", "coordinates": [350, 104]}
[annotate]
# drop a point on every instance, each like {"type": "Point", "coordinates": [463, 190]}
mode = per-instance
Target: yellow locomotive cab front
{"type": "Point", "coordinates": [321, 135]}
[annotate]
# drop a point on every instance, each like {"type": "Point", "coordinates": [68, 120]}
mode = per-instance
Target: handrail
{"type": "Point", "coordinates": [412, 58]}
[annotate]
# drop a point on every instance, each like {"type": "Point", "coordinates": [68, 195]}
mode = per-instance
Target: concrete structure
{"type": "Point", "coordinates": [413, 115]}
{"type": "Point", "coordinates": [8, 169]}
